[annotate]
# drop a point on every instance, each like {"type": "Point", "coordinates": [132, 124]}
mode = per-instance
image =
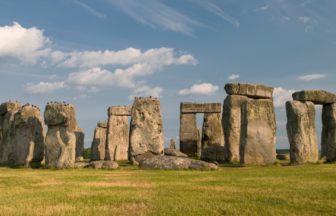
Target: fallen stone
{"type": "Point", "coordinates": [200, 107]}
{"type": "Point", "coordinates": [119, 111]}
{"type": "Point", "coordinates": [79, 165]}
{"type": "Point", "coordinates": [249, 90]}
{"type": "Point", "coordinates": [103, 164]}
{"type": "Point", "coordinates": [301, 132]}
{"type": "Point", "coordinates": [175, 163]}
{"type": "Point", "coordinates": [216, 163]}
{"type": "Point", "coordinates": [328, 143]}
{"type": "Point", "coordinates": [213, 153]}
{"type": "Point", "coordinates": [212, 131]}
{"type": "Point", "coordinates": [172, 143]}
{"type": "Point", "coordinates": [282, 156]}
{"type": "Point", "coordinates": [188, 135]}
{"type": "Point", "coordinates": [258, 127]}
{"type": "Point", "coordinates": [231, 122]}
{"type": "Point", "coordinates": [98, 145]}
{"type": "Point", "coordinates": [79, 159]}
{"type": "Point", "coordinates": [79, 133]}
{"type": "Point", "coordinates": [315, 96]}
{"type": "Point", "coordinates": [146, 131]}
{"type": "Point", "coordinates": [173, 152]}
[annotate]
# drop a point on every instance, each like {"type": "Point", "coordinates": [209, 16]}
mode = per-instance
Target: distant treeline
{"type": "Point", "coordinates": [282, 151]}
{"type": "Point", "coordinates": [87, 153]}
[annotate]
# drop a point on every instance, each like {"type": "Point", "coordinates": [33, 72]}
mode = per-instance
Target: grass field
{"type": "Point", "coordinates": [232, 190]}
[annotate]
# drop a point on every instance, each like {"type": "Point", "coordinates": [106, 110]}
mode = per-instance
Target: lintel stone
{"type": "Point", "coordinates": [315, 96]}
{"type": "Point", "coordinates": [120, 111]}
{"type": "Point", "coordinates": [102, 124]}
{"type": "Point", "coordinates": [249, 90]}
{"type": "Point", "coordinates": [201, 108]}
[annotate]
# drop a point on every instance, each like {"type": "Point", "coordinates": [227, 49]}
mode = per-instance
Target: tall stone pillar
{"type": "Point", "coordinates": [328, 135]}
{"type": "Point", "coordinates": [172, 144]}
{"type": "Point", "coordinates": [199, 143]}
{"type": "Point", "coordinates": [212, 131]}
{"type": "Point", "coordinates": [188, 134]}
{"type": "Point", "coordinates": [79, 133]}
{"type": "Point", "coordinates": [301, 132]}
{"type": "Point", "coordinates": [98, 145]}
{"type": "Point", "coordinates": [258, 127]}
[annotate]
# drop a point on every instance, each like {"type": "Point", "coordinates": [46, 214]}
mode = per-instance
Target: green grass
{"type": "Point", "coordinates": [234, 189]}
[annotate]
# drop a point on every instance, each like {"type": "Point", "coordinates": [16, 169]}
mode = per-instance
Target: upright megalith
{"type": "Point", "coordinates": [172, 144]}
{"type": "Point", "coordinates": [60, 142]}
{"type": "Point", "coordinates": [29, 136]}
{"type": "Point", "coordinates": [328, 143]}
{"type": "Point", "coordinates": [98, 145]}
{"type": "Point", "coordinates": [212, 131]}
{"type": "Point", "coordinates": [117, 144]}
{"type": "Point", "coordinates": [301, 132]}
{"type": "Point", "coordinates": [231, 122]}
{"type": "Point", "coordinates": [7, 131]}
{"type": "Point", "coordinates": [146, 131]}
{"type": "Point", "coordinates": [258, 127]}
{"type": "Point", "coordinates": [199, 142]}
{"type": "Point", "coordinates": [188, 134]}
{"type": "Point", "coordinates": [79, 133]}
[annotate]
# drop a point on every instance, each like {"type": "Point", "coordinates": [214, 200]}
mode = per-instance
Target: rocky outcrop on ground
{"type": "Point", "coordinates": [173, 152]}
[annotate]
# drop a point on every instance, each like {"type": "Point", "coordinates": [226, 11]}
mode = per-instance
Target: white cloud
{"type": "Point", "coordinates": [23, 44]}
{"type": "Point", "coordinates": [304, 19]}
{"type": "Point", "coordinates": [92, 11]}
{"type": "Point", "coordinates": [233, 76]}
{"type": "Point", "coordinates": [43, 88]}
{"type": "Point", "coordinates": [312, 77]}
{"type": "Point", "coordinates": [281, 122]}
{"type": "Point", "coordinates": [83, 96]}
{"type": "Point", "coordinates": [202, 89]}
{"type": "Point", "coordinates": [146, 91]}
{"type": "Point", "coordinates": [280, 96]}
{"type": "Point", "coordinates": [281, 138]}
{"type": "Point", "coordinates": [262, 8]}
{"type": "Point", "coordinates": [53, 76]}
{"type": "Point", "coordinates": [283, 19]}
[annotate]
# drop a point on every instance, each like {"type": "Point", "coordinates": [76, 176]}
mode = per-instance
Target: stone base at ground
{"type": "Point", "coordinates": [174, 163]}
{"type": "Point", "coordinates": [103, 164]}
{"type": "Point", "coordinates": [213, 153]}
{"type": "Point", "coordinates": [283, 156]}
{"type": "Point", "coordinates": [173, 152]}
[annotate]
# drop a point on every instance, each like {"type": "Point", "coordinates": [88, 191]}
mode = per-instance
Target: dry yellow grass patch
{"type": "Point", "coordinates": [118, 184]}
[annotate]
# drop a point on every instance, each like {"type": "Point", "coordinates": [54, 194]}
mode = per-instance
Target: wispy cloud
{"type": "Point", "coordinates": [280, 96]}
{"type": "Point", "coordinates": [201, 89]}
{"type": "Point", "coordinates": [283, 19]}
{"type": "Point", "coordinates": [92, 11]}
{"type": "Point", "coordinates": [233, 76]}
{"type": "Point", "coordinates": [312, 77]}
{"type": "Point", "coordinates": [83, 96]}
{"type": "Point", "coordinates": [304, 19]}
{"type": "Point", "coordinates": [262, 8]}
{"type": "Point", "coordinates": [44, 87]}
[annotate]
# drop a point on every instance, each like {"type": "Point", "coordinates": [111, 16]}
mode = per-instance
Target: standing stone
{"type": "Point", "coordinates": [146, 133]}
{"type": "Point", "coordinates": [188, 134]}
{"type": "Point", "coordinates": [301, 132]}
{"type": "Point", "coordinates": [212, 131]}
{"type": "Point", "coordinates": [328, 144]}
{"type": "Point", "coordinates": [199, 143]}
{"type": "Point", "coordinates": [29, 137]}
{"type": "Point", "coordinates": [117, 138]}
{"type": "Point", "coordinates": [231, 122]}
{"type": "Point", "coordinates": [258, 127]}
{"type": "Point", "coordinates": [79, 133]}
{"type": "Point", "coordinates": [172, 144]}
{"type": "Point", "coordinates": [98, 145]}
{"type": "Point", "coordinates": [60, 141]}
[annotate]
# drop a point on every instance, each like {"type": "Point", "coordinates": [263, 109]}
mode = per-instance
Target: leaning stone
{"type": "Point", "coordinates": [258, 127]}
{"type": "Point", "coordinates": [175, 163]}
{"type": "Point", "coordinates": [60, 141]}
{"type": "Point", "coordinates": [189, 135]}
{"type": "Point", "coordinates": [104, 164]}
{"type": "Point", "coordinates": [301, 132]}
{"type": "Point", "coordinates": [172, 144]}
{"type": "Point", "coordinates": [212, 131]}
{"type": "Point", "coordinates": [79, 133]}
{"type": "Point", "coordinates": [146, 133]}
{"type": "Point", "coordinates": [29, 137]}
{"type": "Point", "coordinates": [315, 96]}
{"type": "Point", "coordinates": [231, 122]}
{"type": "Point", "coordinates": [119, 111]}
{"type": "Point", "coordinates": [328, 143]}
{"type": "Point", "coordinates": [173, 152]}
{"type": "Point", "coordinates": [282, 156]}
{"type": "Point", "coordinates": [249, 90]}
{"type": "Point", "coordinates": [98, 145]}
{"type": "Point", "coordinates": [213, 153]}
{"type": "Point", "coordinates": [200, 107]}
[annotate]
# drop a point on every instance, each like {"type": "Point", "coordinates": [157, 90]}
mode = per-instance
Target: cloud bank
{"type": "Point", "coordinates": [201, 89]}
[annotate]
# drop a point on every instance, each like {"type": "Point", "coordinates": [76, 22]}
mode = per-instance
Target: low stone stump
{"type": "Point", "coordinates": [283, 156]}
{"type": "Point", "coordinates": [103, 164]}
{"type": "Point", "coordinates": [172, 144]}
{"type": "Point", "coordinates": [98, 145]}
{"type": "Point", "coordinates": [212, 130]}
{"type": "Point", "coordinates": [328, 143]}
{"type": "Point", "coordinates": [213, 153]}
{"type": "Point", "coordinates": [174, 152]}
{"type": "Point", "coordinates": [79, 133]}
{"type": "Point", "coordinates": [174, 163]}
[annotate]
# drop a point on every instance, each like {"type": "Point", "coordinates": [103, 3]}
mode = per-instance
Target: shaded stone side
{"type": "Point", "coordinates": [172, 144]}
{"type": "Point", "coordinates": [315, 96]}
{"type": "Point", "coordinates": [98, 145]}
{"type": "Point", "coordinates": [199, 142]}
{"type": "Point", "coordinates": [117, 143]}
{"type": "Point", "coordinates": [200, 107]}
{"type": "Point", "coordinates": [212, 131]}
{"type": "Point", "coordinates": [146, 131]}
{"type": "Point", "coordinates": [328, 135]}
{"type": "Point", "coordinates": [258, 127]}
{"type": "Point", "coordinates": [188, 135]}
{"type": "Point", "coordinates": [249, 90]}
{"type": "Point", "coordinates": [79, 133]}
{"type": "Point", "coordinates": [301, 132]}
{"type": "Point", "coordinates": [119, 111]}
{"type": "Point", "coordinates": [231, 122]}
{"type": "Point", "coordinates": [9, 106]}
{"type": "Point", "coordinates": [213, 153]}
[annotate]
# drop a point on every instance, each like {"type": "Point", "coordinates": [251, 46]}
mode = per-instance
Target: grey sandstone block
{"type": "Point", "coordinates": [249, 90]}
{"type": "Point", "coordinates": [315, 96]}
{"type": "Point", "coordinates": [200, 107]}
{"type": "Point", "coordinates": [119, 111]}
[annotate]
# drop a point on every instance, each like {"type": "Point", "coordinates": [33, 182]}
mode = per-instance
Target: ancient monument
{"type": "Point", "coordinates": [98, 145]}
{"type": "Point", "coordinates": [146, 132]}
{"type": "Point", "coordinates": [301, 126]}
{"type": "Point", "coordinates": [60, 142]}
{"type": "Point", "coordinates": [172, 144]}
{"type": "Point", "coordinates": [117, 141]}
{"type": "Point", "coordinates": [189, 134]}
{"type": "Point", "coordinates": [249, 125]}
{"type": "Point", "coordinates": [79, 133]}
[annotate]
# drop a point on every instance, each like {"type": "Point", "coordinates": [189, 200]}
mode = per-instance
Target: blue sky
{"type": "Point", "coordinates": [96, 54]}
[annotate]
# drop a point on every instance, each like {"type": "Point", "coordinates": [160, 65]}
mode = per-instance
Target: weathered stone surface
{"type": "Point", "coordinates": [103, 164]}
{"type": "Point", "coordinates": [117, 143]}
{"type": "Point", "coordinates": [199, 143]}
{"type": "Point", "coordinates": [200, 107]}
{"type": "Point", "coordinates": [98, 145]}
{"type": "Point", "coordinates": [29, 136]}
{"type": "Point", "coordinates": [79, 159]}
{"type": "Point", "coordinates": [315, 96]}
{"type": "Point", "coordinates": [79, 133]}
{"type": "Point", "coordinates": [301, 132]}
{"type": "Point", "coordinates": [146, 133]}
{"type": "Point", "coordinates": [173, 152]}
{"type": "Point", "coordinates": [60, 142]}
{"type": "Point", "coordinates": [188, 135]}
{"type": "Point", "coordinates": [102, 124]}
{"type": "Point", "coordinates": [79, 165]}
{"type": "Point", "coordinates": [212, 132]}
{"type": "Point", "coordinates": [231, 122]}
{"type": "Point", "coordinates": [170, 162]}
{"type": "Point", "coordinates": [283, 156]}
{"type": "Point", "coordinates": [328, 135]}
{"type": "Point", "coordinates": [258, 127]}
{"type": "Point", "coordinates": [119, 111]}
{"type": "Point", "coordinates": [213, 153]}
{"type": "Point", "coordinates": [9, 106]}
{"type": "Point", "coordinates": [172, 144]}
{"type": "Point", "coordinates": [249, 90]}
